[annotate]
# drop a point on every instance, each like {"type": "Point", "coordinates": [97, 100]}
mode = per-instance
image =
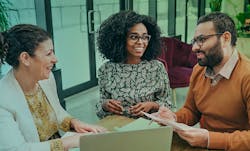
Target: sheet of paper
{"type": "Point", "coordinates": [68, 134]}
{"type": "Point", "coordinates": [175, 125]}
{"type": "Point", "coordinates": [73, 133]}
{"type": "Point", "coordinates": [138, 124]}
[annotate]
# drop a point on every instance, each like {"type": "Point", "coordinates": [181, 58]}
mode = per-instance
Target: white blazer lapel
{"type": "Point", "coordinates": [23, 115]}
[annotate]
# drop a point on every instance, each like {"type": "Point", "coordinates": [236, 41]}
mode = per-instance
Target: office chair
{"type": "Point", "coordinates": [179, 60]}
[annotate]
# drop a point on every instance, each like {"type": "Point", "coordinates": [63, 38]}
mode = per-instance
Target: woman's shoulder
{"type": "Point", "coordinates": [107, 65]}
{"type": "Point", "coordinates": [155, 63]}
{"type": "Point", "coordinates": [106, 68]}
{"type": "Point", "coordinates": [152, 66]}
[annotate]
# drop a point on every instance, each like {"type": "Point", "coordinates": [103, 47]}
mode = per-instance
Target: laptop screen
{"type": "Point", "coordinates": [152, 139]}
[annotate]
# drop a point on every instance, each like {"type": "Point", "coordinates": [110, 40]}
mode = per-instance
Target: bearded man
{"type": "Point", "coordinates": [219, 92]}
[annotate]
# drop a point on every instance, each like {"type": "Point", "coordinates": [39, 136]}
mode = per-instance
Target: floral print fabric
{"type": "Point", "coordinates": [133, 83]}
{"type": "Point", "coordinates": [45, 119]}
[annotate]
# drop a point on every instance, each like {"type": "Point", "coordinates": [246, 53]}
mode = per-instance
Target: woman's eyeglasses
{"type": "Point", "coordinates": [136, 37]}
{"type": "Point", "coordinates": [202, 38]}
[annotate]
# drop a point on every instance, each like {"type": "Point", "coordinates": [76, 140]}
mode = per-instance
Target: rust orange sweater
{"type": "Point", "coordinates": [224, 109]}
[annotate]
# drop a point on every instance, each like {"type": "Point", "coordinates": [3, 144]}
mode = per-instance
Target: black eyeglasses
{"type": "Point", "coordinates": [202, 38]}
{"type": "Point", "coordinates": [136, 37]}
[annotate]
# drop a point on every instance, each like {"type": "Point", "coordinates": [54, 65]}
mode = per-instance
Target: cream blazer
{"type": "Point", "coordinates": [17, 128]}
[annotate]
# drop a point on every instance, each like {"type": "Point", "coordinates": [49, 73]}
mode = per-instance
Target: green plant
{"type": "Point", "coordinates": [4, 21]}
{"type": "Point", "coordinates": [215, 5]}
{"type": "Point", "coordinates": [242, 16]}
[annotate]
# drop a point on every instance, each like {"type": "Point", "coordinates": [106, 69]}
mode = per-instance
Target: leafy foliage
{"type": "Point", "coordinates": [244, 15]}
{"type": "Point", "coordinates": [243, 28]}
{"type": "Point", "coordinates": [215, 5]}
{"type": "Point", "coordinates": [4, 7]}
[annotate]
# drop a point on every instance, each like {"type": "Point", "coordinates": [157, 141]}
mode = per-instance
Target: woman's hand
{"type": "Point", "coordinates": [81, 127]}
{"type": "Point", "coordinates": [135, 110]}
{"type": "Point", "coordinates": [113, 106]}
{"type": "Point", "coordinates": [72, 141]}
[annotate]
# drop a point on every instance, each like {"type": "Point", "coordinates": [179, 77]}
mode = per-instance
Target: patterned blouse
{"type": "Point", "coordinates": [133, 83]}
{"type": "Point", "coordinates": [45, 119]}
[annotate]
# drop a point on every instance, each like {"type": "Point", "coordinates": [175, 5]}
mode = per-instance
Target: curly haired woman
{"type": "Point", "coordinates": [132, 80]}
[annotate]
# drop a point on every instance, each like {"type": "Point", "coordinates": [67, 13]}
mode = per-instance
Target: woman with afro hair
{"type": "Point", "coordinates": [132, 80]}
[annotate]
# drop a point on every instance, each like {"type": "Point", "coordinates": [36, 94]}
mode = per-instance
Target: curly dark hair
{"type": "Point", "coordinates": [222, 23]}
{"type": "Point", "coordinates": [20, 38]}
{"type": "Point", "coordinates": [112, 36]}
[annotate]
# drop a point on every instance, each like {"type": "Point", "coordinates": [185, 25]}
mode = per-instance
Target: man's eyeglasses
{"type": "Point", "coordinates": [136, 37]}
{"type": "Point", "coordinates": [202, 38]}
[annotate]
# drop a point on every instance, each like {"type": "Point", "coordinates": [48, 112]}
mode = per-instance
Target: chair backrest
{"type": "Point", "coordinates": [178, 59]}
{"type": "Point", "coordinates": [177, 53]}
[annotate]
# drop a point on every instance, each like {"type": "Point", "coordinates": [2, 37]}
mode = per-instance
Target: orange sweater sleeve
{"type": "Point", "coordinates": [236, 141]}
{"type": "Point", "coordinates": [189, 113]}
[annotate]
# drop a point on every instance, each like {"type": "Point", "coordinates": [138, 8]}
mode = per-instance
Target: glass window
{"type": "Point", "coordinates": [71, 41]}
{"type": "Point", "coordinates": [104, 8]}
{"type": "Point", "coordinates": [141, 6]}
{"type": "Point", "coordinates": [180, 18]}
{"type": "Point", "coordinates": [71, 37]}
{"type": "Point", "coordinates": [192, 18]}
{"type": "Point", "coordinates": [162, 16]}
{"type": "Point", "coordinates": [22, 11]}
{"type": "Point", "coordinates": [207, 8]}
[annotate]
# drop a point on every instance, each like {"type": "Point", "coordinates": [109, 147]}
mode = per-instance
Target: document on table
{"type": "Point", "coordinates": [138, 124]}
{"type": "Point", "coordinates": [73, 133]}
{"type": "Point", "coordinates": [176, 125]}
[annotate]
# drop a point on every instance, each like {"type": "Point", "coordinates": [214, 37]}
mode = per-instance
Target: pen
{"type": "Point", "coordinates": [151, 121]}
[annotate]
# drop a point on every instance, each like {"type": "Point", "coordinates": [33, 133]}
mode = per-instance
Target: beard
{"type": "Point", "coordinates": [213, 57]}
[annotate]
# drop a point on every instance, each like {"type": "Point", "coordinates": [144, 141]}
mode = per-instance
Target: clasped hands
{"type": "Point", "coordinates": [194, 136]}
{"type": "Point", "coordinates": [115, 106]}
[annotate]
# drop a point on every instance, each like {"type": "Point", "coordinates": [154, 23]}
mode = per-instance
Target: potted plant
{"type": "Point", "coordinates": [215, 5]}
{"type": "Point", "coordinates": [4, 7]}
{"type": "Point", "coordinates": [4, 21]}
{"type": "Point", "coordinates": [244, 22]}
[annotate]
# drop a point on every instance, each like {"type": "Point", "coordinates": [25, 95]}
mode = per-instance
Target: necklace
{"type": "Point", "coordinates": [34, 91]}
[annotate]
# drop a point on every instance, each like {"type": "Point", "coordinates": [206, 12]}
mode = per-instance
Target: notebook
{"type": "Point", "coordinates": [130, 139]}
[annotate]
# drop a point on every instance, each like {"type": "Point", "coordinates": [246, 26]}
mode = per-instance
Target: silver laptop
{"type": "Point", "coordinates": [153, 139]}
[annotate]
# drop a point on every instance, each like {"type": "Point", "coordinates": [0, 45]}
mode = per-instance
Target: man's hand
{"type": "Point", "coordinates": [165, 113]}
{"type": "Point", "coordinates": [195, 136]}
